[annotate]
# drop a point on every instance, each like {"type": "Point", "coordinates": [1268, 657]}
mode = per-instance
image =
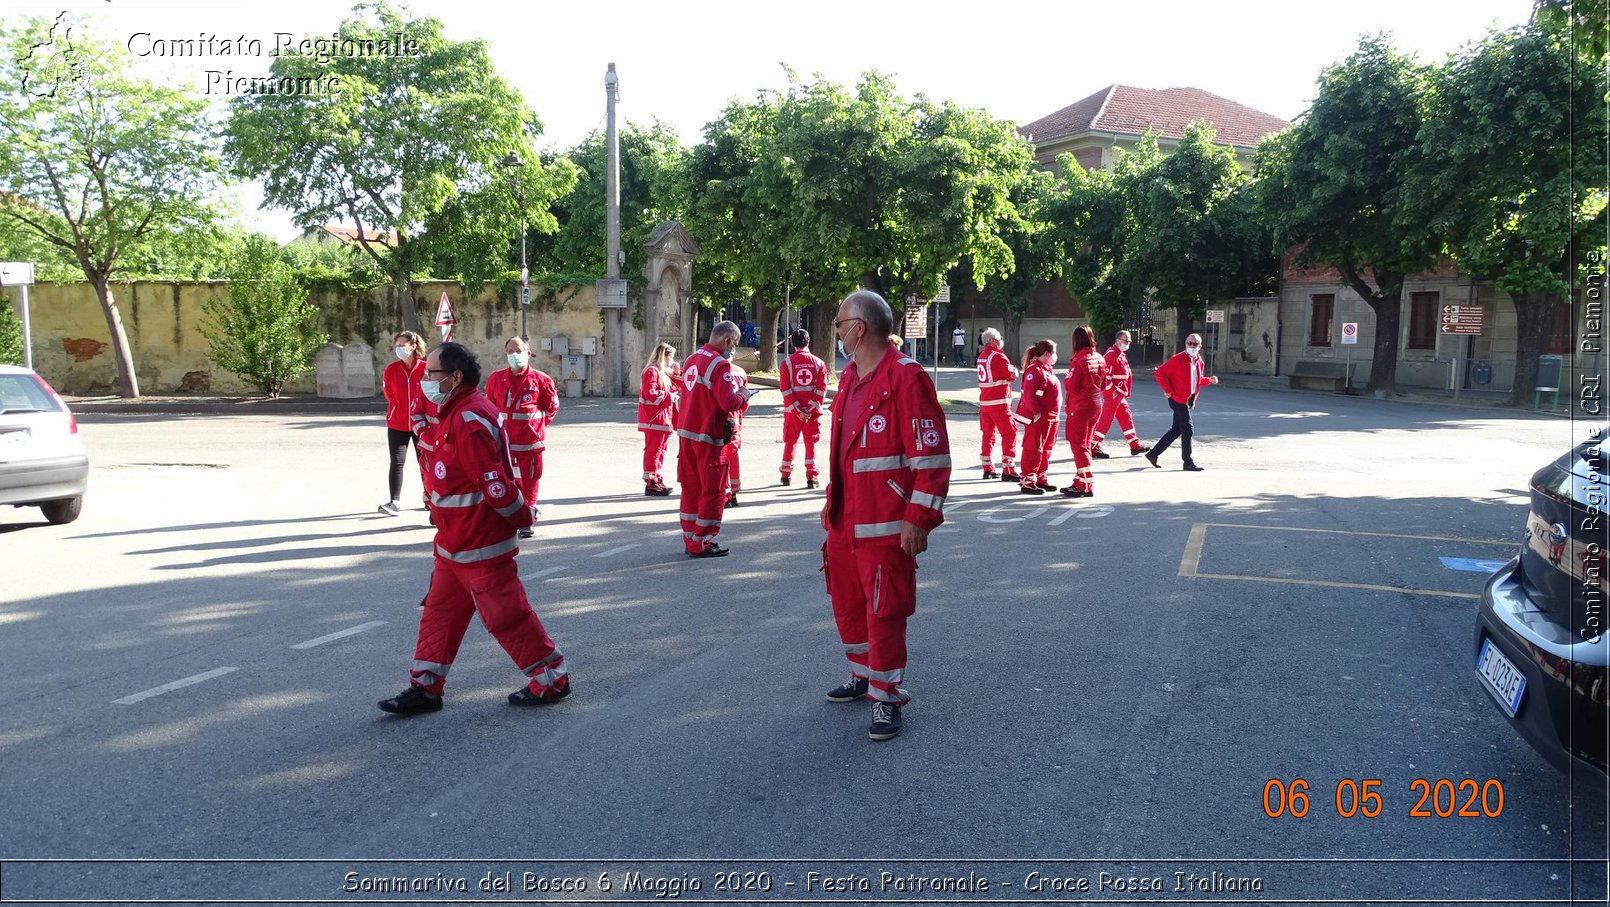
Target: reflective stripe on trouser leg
{"type": "Point", "coordinates": [704, 494]}
{"type": "Point", "coordinates": [998, 420]}
{"type": "Point", "coordinates": [654, 445]}
{"type": "Point", "coordinates": [500, 599]}
{"type": "Point", "coordinates": [873, 588]}
{"type": "Point", "coordinates": [811, 432]}
{"type": "Point", "coordinates": [732, 472]}
{"type": "Point", "coordinates": [791, 433]}
{"type": "Point", "coordinates": [448, 609]}
{"type": "Point", "coordinates": [528, 470]}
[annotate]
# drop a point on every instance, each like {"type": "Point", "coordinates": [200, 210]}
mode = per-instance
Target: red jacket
{"type": "Point", "coordinates": [1087, 378]}
{"type": "Point", "coordinates": [475, 501]}
{"type": "Point", "coordinates": [710, 398]}
{"type": "Point", "coordinates": [526, 402]}
{"type": "Point", "coordinates": [995, 376]}
{"type": "Point", "coordinates": [1041, 397]}
{"type": "Point", "coordinates": [740, 380]}
{"type": "Point", "coordinates": [400, 384]}
{"type": "Point", "coordinates": [1175, 377]}
{"type": "Point", "coordinates": [1118, 367]}
{"type": "Point", "coordinates": [656, 401]}
{"type": "Point", "coordinates": [803, 380]}
{"type": "Point", "coordinates": [897, 466]}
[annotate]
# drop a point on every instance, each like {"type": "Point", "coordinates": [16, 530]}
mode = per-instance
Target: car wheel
{"type": "Point", "coordinates": [60, 512]}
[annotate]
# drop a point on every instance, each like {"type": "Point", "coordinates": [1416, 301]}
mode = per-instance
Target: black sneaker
{"type": "Point", "coordinates": [885, 721]}
{"type": "Point", "coordinates": [785, 480]}
{"type": "Point", "coordinates": [810, 483]}
{"type": "Point", "coordinates": [1136, 450]}
{"type": "Point", "coordinates": [526, 533]}
{"type": "Point", "coordinates": [989, 474]}
{"type": "Point", "coordinates": [412, 701]}
{"type": "Point", "coordinates": [1010, 476]}
{"type": "Point", "coordinates": [1045, 486]}
{"type": "Point", "coordinates": [710, 550]}
{"type": "Point", "coordinates": [1096, 453]}
{"type": "Point", "coordinates": [524, 696]}
{"type": "Point", "coordinates": [1030, 489]}
{"type": "Point", "coordinates": [850, 690]}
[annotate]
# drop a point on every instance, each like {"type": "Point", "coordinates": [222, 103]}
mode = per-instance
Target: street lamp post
{"type": "Point", "coordinates": [512, 165]}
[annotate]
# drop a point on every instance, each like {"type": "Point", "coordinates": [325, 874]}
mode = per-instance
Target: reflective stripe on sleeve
{"type": "Point", "coordinates": [456, 500]}
{"type": "Point", "coordinates": [534, 414]}
{"type": "Point", "coordinates": [524, 447]}
{"type": "Point", "coordinates": [877, 530]}
{"type": "Point", "coordinates": [878, 464]}
{"type": "Point", "coordinates": [1001, 402]}
{"type": "Point", "coordinates": [468, 416]}
{"type": "Point", "coordinates": [994, 383]}
{"type": "Point", "coordinates": [935, 461]}
{"type": "Point", "coordinates": [924, 499]}
{"type": "Point", "coordinates": [475, 555]}
{"type": "Point", "coordinates": [699, 436]}
{"type": "Point", "coordinates": [652, 426]}
{"type": "Point", "coordinates": [515, 506]}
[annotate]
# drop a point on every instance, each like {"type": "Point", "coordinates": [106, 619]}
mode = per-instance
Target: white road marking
{"type": "Point", "coordinates": [988, 516]}
{"type": "Point", "coordinates": [539, 574]}
{"type": "Point", "coordinates": [176, 685]}
{"type": "Point", "coordinates": [614, 551]}
{"type": "Point", "coordinates": [339, 634]}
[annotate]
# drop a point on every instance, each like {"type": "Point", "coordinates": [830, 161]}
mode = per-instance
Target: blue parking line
{"type": "Point", "coordinates": [1471, 565]}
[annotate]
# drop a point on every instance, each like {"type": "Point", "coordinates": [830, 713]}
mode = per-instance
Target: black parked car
{"type": "Point", "coordinates": [1543, 632]}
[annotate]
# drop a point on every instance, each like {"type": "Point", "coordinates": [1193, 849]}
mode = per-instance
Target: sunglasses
{"type": "Point", "coordinates": [839, 321]}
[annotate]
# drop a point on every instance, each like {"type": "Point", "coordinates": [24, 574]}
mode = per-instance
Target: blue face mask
{"type": "Point", "coordinates": [727, 354]}
{"type": "Point", "coordinates": [433, 391]}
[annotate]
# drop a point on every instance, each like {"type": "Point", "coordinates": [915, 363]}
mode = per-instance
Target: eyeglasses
{"type": "Point", "coordinates": [1192, 346]}
{"type": "Point", "coordinates": [839, 321]}
{"type": "Point", "coordinates": [440, 371]}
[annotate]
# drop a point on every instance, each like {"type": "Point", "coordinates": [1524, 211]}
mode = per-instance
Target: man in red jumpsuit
{"type": "Point", "coordinates": [1182, 377]}
{"type": "Point", "coordinates": [995, 376]}
{"type": "Point", "coordinates": [526, 401]}
{"type": "Point", "coordinates": [478, 507]}
{"type": "Point", "coordinates": [889, 471]}
{"type": "Point", "coordinates": [710, 398]}
{"type": "Point", "coordinates": [1117, 401]}
{"type": "Point", "coordinates": [803, 380]}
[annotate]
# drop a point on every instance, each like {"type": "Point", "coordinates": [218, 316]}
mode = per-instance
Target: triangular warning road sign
{"type": "Point", "coordinates": [444, 312]}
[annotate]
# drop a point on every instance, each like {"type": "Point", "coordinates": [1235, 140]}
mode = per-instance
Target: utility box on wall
{"type": "Point", "coordinates": [573, 370]}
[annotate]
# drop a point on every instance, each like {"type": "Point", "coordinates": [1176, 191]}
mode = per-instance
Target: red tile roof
{"type": "Point", "coordinates": [1129, 111]}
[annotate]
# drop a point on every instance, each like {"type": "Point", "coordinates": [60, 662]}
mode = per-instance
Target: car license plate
{"type": "Point", "coordinates": [1500, 676]}
{"type": "Point", "coordinates": [13, 438]}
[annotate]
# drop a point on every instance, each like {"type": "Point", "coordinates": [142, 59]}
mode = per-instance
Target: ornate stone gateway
{"type": "Point", "coordinates": [668, 288]}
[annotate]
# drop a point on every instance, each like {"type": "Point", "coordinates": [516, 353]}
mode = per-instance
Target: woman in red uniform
{"type": "Point", "coordinates": [656, 415]}
{"type": "Point", "coordinates": [1037, 410]}
{"type": "Point", "coordinates": [526, 401]}
{"type": "Point", "coordinates": [400, 384]}
{"type": "Point", "coordinates": [1087, 380]}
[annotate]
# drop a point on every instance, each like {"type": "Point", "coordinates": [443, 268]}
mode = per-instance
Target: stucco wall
{"type": "Point", "coordinates": [71, 345]}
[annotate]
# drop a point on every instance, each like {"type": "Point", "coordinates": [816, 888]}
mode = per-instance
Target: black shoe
{"type": "Point", "coordinates": [412, 701]}
{"type": "Point", "coordinates": [1030, 489]}
{"type": "Point", "coordinates": [1071, 492]}
{"type": "Point", "coordinates": [711, 550]}
{"type": "Point", "coordinates": [1192, 467]}
{"type": "Point", "coordinates": [524, 696]}
{"type": "Point", "coordinates": [655, 491]}
{"type": "Point", "coordinates": [1138, 449]}
{"type": "Point", "coordinates": [732, 501]}
{"type": "Point", "coordinates": [885, 721]}
{"type": "Point", "coordinates": [785, 481]}
{"type": "Point", "coordinates": [1152, 459]}
{"type": "Point", "coordinates": [850, 690]}
{"type": "Point", "coordinates": [1045, 486]}
{"type": "Point", "coordinates": [810, 483]}
{"type": "Point", "coordinates": [989, 474]}
{"type": "Point", "coordinates": [1097, 453]}
{"type": "Point", "coordinates": [1010, 476]}
{"type": "Point", "coordinates": [526, 533]}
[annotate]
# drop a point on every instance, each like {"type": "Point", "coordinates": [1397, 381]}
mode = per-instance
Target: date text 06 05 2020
{"type": "Point", "coordinates": [1438, 798]}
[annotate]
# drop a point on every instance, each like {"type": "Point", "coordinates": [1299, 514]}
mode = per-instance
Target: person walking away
{"type": "Point", "coordinates": [995, 376]}
{"type": "Point", "coordinates": [478, 508]}
{"type": "Point", "coordinates": [1038, 408]}
{"type": "Point", "coordinates": [399, 382]}
{"type": "Point", "coordinates": [1084, 390]}
{"type": "Point", "coordinates": [888, 474]}
{"type": "Point", "coordinates": [704, 428]}
{"type": "Point", "coordinates": [1182, 378]}
{"type": "Point", "coordinates": [1115, 402]}
{"type": "Point", "coordinates": [526, 401]}
{"type": "Point", "coordinates": [803, 380]}
{"type": "Point", "coordinates": [656, 415]}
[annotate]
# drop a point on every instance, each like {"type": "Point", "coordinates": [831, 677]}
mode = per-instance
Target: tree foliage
{"type": "Point", "coordinates": [11, 351]}
{"type": "Point", "coordinates": [408, 144]}
{"type": "Point", "coordinates": [262, 330]}
{"type": "Point", "coordinates": [96, 162]}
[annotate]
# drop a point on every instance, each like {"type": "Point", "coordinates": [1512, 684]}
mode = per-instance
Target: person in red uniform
{"type": "Point", "coordinates": [656, 411]}
{"type": "Point", "coordinates": [400, 384]}
{"type": "Point", "coordinates": [803, 380]}
{"type": "Point", "coordinates": [995, 376]}
{"type": "Point", "coordinates": [526, 401]}
{"type": "Point", "coordinates": [1116, 401]}
{"type": "Point", "coordinates": [704, 426]}
{"type": "Point", "coordinates": [1083, 390]}
{"type": "Point", "coordinates": [1182, 378]}
{"type": "Point", "coordinates": [478, 508]}
{"type": "Point", "coordinates": [740, 379]}
{"type": "Point", "coordinates": [888, 474]}
{"type": "Point", "coordinates": [1038, 408]}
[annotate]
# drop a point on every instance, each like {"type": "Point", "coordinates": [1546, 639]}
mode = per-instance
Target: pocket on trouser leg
{"type": "Point", "coordinates": [894, 584]}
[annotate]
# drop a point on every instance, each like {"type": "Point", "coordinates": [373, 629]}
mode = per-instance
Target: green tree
{"type": "Point", "coordinates": [1096, 221]}
{"type": "Point", "coordinates": [95, 161]}
{"type": "Point", "coordinates": [1504, 170]}
{"type": "Point", "coordinates": [11, 351]}
{"type": "Point", "coordinates": [408, 145]}
{"type": "Point", "coordinates": [262, 330]}
{"type": "Point", "coordinates": [1035, 250]}
{"type": "Point", "coordinates": [1337, 187]}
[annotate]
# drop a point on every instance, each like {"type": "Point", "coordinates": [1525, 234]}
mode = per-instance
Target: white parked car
{"type": "Point", "coordinates": [42, 458]}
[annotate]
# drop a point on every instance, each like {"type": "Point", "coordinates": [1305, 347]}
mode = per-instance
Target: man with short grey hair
{"type": "Point", "coordinates": [711, 398]}
{"type": "Point", "coordinates": [888, 473]}
{"type": "Point", "coordinates": [1182, 377]}
{"type": "Point", "coordinates": [995, 376]}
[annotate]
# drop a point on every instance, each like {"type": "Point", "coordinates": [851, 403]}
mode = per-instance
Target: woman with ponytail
{"type": "Point", "coordinates": [1038, 408]}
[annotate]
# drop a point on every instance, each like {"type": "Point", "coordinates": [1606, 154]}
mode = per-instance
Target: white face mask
{"type": "Point", "coordinates": [518, 360]}
{"type": "Point", "coordinates": [1193, 351]}
{"type": "Point", "coordinates": [1123, 346]}
{"type": "Point", "coordinates": [433, 391]}
{"type": "Point", "coordinates": [403, 352]}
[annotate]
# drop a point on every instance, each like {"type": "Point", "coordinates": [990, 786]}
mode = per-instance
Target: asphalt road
{"type": "Point", "coordinates": [1103, 690]}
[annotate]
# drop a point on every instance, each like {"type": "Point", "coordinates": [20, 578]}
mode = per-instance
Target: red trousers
{"type": "Point", "coordinates": [701, 470]}
{"type": "Point", "coordinates": [1115, 406]}
{"type": "Point", "coordinates": [494, 591]}
{"type": "Point", "coordinates": [527, 471]}
{"type": "Point", "coordinates": [655, 444]}
{"type": "Point", "coordinates": [874, 591]}
{"type": "Point", "coordinates": [998, 419]}
{"type": "Point", "coordinates": [795, 428]}
{"type": "Point", "coordinates": [1039, 439]}
{"type": "Point", "coordinates": [1081, 423]}
{"type": "Point", "coordinates": [732, 470]}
